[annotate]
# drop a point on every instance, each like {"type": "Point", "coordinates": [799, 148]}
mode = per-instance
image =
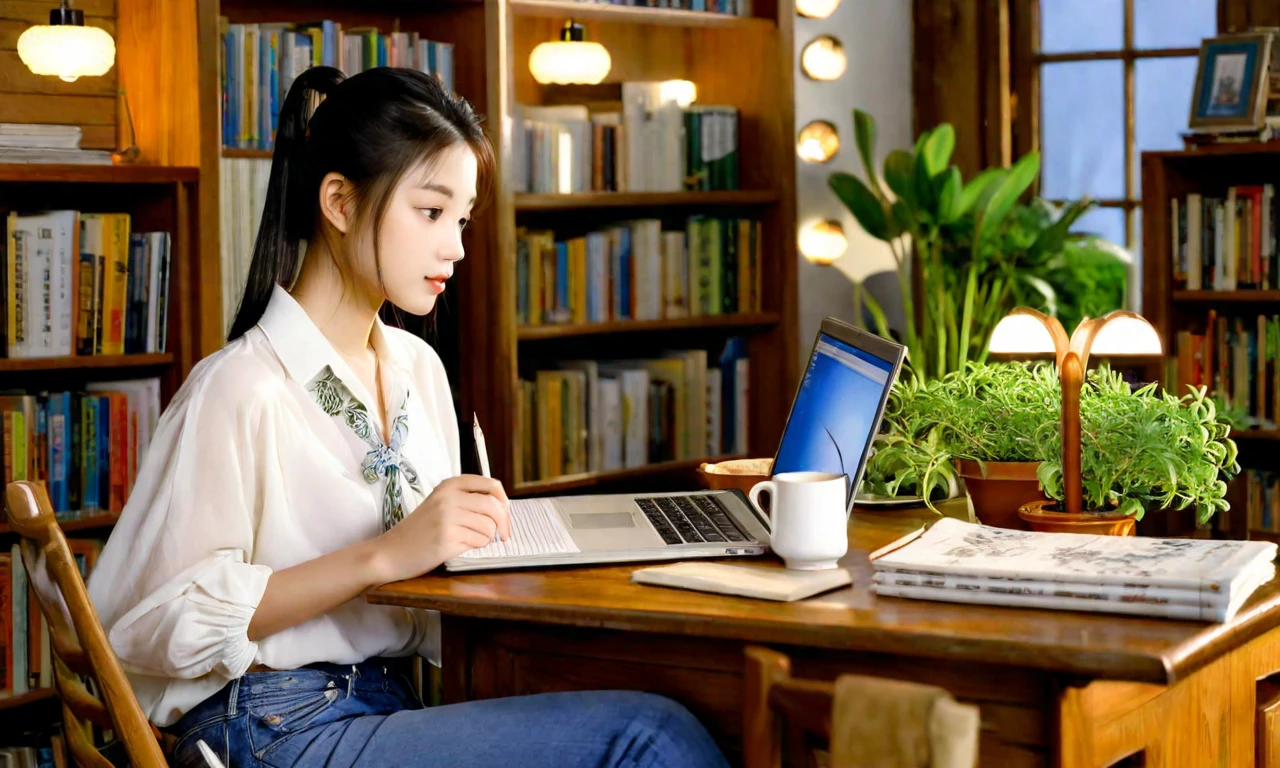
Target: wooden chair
{"type": "Point", "coordinates": [772, 696]}
{"type": "Point", "coordinates": [80, 646]}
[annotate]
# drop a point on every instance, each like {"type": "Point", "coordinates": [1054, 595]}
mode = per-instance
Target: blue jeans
{"type": "Point", "coordinates": [368, 715]}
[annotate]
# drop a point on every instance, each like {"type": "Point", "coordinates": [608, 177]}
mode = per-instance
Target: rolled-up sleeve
{"type": "Point", "coordinates": [175, 585]}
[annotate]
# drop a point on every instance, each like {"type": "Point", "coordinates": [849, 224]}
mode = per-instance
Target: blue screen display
{"type": "Point", "coordinates": [834, 411]}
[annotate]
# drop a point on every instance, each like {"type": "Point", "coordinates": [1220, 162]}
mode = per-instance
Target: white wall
{"type": "Point", "coordinates": [876, 35]}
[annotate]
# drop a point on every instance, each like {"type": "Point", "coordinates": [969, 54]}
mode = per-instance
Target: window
{"type": "Point", "coordinates": [1114, 80]}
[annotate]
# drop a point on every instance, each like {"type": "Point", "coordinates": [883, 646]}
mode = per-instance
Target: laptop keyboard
{"type": "Point", "coordinates": [690, 519]}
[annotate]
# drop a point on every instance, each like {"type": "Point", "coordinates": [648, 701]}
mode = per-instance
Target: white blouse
{"type": "Point", "coordinates": [265, 459]}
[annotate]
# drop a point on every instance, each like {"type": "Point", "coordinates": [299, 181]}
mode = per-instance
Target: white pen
{"type": "Point", "coordinates": [482, 453]}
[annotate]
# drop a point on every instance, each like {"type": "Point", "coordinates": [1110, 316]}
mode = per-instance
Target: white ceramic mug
{"type": "Point", "coordinates": [807, 521]}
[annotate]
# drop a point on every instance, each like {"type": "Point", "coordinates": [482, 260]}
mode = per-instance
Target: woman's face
{"type": "Point", "coordinates": [420, 238]}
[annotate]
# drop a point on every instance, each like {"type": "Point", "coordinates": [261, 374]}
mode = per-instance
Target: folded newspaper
{"type": "Point", "coordinates": [1196, 579]}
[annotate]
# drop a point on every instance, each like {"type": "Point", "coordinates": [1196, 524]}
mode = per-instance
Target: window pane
{"type": "Point", "coordinates": [1082, 129]}
{"type": "Point", "coordinates": [1104, 222]}
{"type": "Point", "coordinates": [1157, 25]}
{"type": "Point", "coordinates": [1162, 101]}
{"type": "Point", "coordinates": [1067, 26]}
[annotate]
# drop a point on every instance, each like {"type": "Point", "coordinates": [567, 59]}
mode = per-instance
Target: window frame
{"type": "Point", "coordinates": [1026, 62]}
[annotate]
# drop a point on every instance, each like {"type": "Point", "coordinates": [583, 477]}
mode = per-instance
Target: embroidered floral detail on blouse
{"type": "Point", "coordinates": [383, 459]}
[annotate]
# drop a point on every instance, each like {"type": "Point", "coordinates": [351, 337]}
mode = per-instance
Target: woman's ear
{"type": "Point", "coordinates": [335, 201]}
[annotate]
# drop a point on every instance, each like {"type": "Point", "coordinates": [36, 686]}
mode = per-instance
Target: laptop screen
{"type": "Point", "coordinates": [834, 411]}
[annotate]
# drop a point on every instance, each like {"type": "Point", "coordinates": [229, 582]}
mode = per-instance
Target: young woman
{"type": "Point", "coordinates": [317, 455]}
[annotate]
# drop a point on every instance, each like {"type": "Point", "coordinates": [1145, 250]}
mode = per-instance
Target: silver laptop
{"type": "Point", "coordinates": [834, 417]}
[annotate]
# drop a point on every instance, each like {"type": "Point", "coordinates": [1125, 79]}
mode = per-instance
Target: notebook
{"type": "Point", "coordinates": [744, 580]}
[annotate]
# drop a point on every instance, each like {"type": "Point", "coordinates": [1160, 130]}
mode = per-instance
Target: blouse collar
{"type": "Point", "coordinates": [305, 351]}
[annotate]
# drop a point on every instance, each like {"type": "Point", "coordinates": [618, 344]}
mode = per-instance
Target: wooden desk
{"type": "Point", "coordinates": [1055, 688]}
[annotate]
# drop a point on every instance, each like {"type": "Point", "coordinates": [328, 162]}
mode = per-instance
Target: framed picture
{"type": "Point", "coordinates": [1231, 83]}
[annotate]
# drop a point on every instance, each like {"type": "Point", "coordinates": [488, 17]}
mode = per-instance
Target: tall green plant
{"type": "Point", "coordinates": [911, 206]}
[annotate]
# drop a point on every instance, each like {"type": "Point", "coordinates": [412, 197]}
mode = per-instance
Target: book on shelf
{"type": "Point", "coordinates": [43, 143]}
{"type": "Point", "coordinates": [75, 283]}
{"type": "Point", "coordinates": [1262, 500]}
{"type": "Point", "coordinates": [1236, 358]}
{"type": "Point", "coordinates": [731, 7]}
{"type": "Point", "coordinates": [647, 143]}
{"type": "Point", "coordinates": [1195, 579]}
{"type": "Point", "coordinates": [1225, 242]}
{"type": "Point", "coordinates": [636, 270]}
{"type": "Point", "coordinates": [243, 183]}
{"type": "Point", "coordinates": [606, 415]}
{"type": "Point", "coordinates": [259, 63]}
{"type": "Point", "coordinates": [26, 654]}
{"type": "Point", "coordinates": [84, 446]}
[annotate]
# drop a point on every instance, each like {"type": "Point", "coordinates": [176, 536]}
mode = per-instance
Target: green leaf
{"type": "Point", "coordinates": [900, 176]}
{"type": "Point", "coordinates": [864, 133]}
{"type": "Point", "coordinates": [1005, 194]}
{"type": "Point", "coordinates": [937, 149]}
{"type": "Point", "coordinates": [862, 203]}
{"type": "Point", "coordinates": [950, 190]}
{"type": "Point", "coordinates": [975, 189]}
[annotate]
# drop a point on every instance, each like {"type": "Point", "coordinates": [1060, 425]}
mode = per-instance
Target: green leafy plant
{"type": "Point", "coordinates": [1144, 450]}
{"type": "Point", "coordinates": [987, 412]}
{"type": "Point", "coordinates": [968, 252]}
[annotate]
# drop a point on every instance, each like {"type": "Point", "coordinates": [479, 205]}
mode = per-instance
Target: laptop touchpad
{"type": "Point", "coordinates": [602, 520]}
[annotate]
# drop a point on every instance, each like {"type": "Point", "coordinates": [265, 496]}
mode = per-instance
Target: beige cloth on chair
{"type": "Point", "coordinates": [882, 723]}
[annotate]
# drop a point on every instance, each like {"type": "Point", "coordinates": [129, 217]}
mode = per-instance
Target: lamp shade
{"type": "Point", "coordinates": [822, 242]}
{"type": "Point", "coordinates": [1126, 333]}
{"type": "Point", "coordinates": [571, 60]}
{"type": "Point", "coordinates": [67, 51]}
{"type": "Point", "coordinates": [816, 9]}
{"type": "Point", "coordinates": [823, 58]}
{"type": "Point", "coordinates": [1019, 334]}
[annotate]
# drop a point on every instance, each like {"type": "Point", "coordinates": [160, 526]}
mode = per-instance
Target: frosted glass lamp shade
{"type": "Point", "coordinates": [1126, 334]}
{"type": "Point", "coordinates": [1021, 335]}
{"type": "Point", "coordinates": [816, 9]}
{"type": "Point", "coordinates": [571, 60]}
{"type": "Point", "coordinates": [823, 58]}
{"type": "Point", "coordinates": [818, 142]}
{"type": "Point", "coordinates": [67, 51]}
{"type": "Point", "coordinates": [822, 242]}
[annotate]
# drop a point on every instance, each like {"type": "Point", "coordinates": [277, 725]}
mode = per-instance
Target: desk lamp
{"type": "Point", "coordinates": [1028, 331]}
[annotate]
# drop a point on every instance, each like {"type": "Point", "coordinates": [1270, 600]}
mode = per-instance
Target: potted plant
{"type": "Point", "coordinates": [1141, 450]}
{"type": "Point", "coordinates": [978, 424]}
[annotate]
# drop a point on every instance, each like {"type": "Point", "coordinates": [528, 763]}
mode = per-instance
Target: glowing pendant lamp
{"type": "Point", "coordinates": [66, 48]}
{"type": "Point", "coordinates": [570, 60]}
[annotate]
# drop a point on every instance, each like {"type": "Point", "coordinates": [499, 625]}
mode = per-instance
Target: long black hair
{"type": "Point", "coordinates": [371, 128]}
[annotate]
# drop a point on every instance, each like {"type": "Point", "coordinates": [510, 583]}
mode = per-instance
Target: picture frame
{"type": "Point", "coordinates": [1231, 83]}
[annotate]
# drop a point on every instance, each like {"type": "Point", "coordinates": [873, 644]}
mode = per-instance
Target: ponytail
{"type": "Point", "coordinates": [293, 187]}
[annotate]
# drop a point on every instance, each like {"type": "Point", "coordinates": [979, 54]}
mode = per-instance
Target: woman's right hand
{"type": "Point", "coordinates": [462, 513]}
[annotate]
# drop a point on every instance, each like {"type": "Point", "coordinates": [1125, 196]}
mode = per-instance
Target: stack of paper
{"type": "Point", "coordinates": [1197, 579]}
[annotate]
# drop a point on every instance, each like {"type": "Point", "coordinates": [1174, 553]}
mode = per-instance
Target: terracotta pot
{"type": "Point", "coordinates": [1006, 486]}
{"type": "Point", "coordinates": [1046, 520]}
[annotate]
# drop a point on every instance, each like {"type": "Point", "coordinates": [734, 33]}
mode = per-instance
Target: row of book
{"type": "Point", "coordinates": [243, 183]}
{"type": "Point", "coordinates": [603, 415]}
{"type": "Point", "coordinates": [75, 283]}
{"type": "Point", "coordinates": [1227, 242]}
{"type": "Point", "coordinates": [84, 446]}
{"type": "Point", "coordinates": [649, 144]}
{"type": "Point", "coordinates": [734, 7]}
{"type": "Point", "coordinates": [259, 63]}
{"type": "Point", "coordinates": [1262, 500]}
{"type": "Point", "coordinates": [26, 657]}
{"type": "Point", "coordinates": [1237, 358]}
{"type": "Point", "coordinates": [636, 270]}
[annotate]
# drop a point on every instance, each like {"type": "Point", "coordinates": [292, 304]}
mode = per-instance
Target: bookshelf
{"type": "Point", "coordinates": [742, 61]}
{"type": "Point", "coordinates": [1211, 286]}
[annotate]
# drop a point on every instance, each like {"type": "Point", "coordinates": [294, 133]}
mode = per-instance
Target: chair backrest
{"type": "Point", "coordinates": [80, 646]}
{"type": "Point", "coordinates": [772, 696]}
